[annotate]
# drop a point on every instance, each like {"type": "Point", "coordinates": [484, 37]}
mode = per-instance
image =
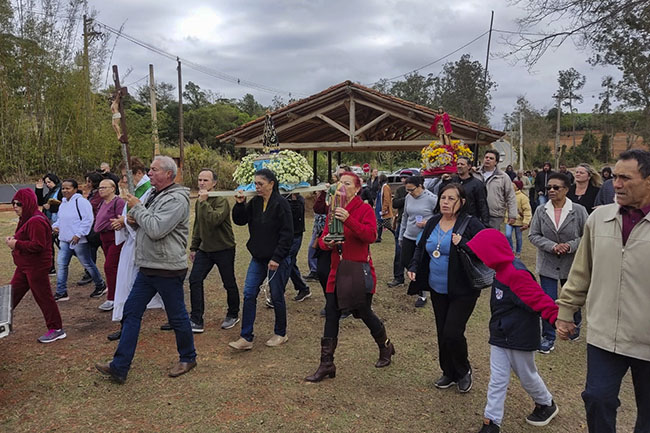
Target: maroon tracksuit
{"type": "Point", "coordinates": [33, 258]}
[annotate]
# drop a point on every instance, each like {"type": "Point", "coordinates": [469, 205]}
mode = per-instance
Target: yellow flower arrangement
{"type": "Point", "coordinates": [437, 157]}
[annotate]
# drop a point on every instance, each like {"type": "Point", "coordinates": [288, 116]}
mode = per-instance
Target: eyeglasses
{"type": "Point", "coordinates": [553, 187]}
{"type": "Point", "coordinates": [16, 203]}
{"type": "Point", "coordinates": [410, 189]}
{"type": "Point", "coordinates": [105, 187]}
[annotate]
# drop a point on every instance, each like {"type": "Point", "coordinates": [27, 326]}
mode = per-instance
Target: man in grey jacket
{"type": "Point", "coordinates": [500, 193]}
{"type": "Point", "coordinates": [161, 255]}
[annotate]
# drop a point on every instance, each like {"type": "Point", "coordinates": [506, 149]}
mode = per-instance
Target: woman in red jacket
{"type": "Point", "coordinates": [360, 230]}
{"type": "Point", "coordinates": [31, 248]}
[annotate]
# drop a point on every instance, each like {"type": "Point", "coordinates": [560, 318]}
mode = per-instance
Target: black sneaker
{"type": "Point", "coordinates": [302, 295]}
{"type": "Point", "coordinates": [85, 279]}
{"type": "Point", "coordinates": [99, 291]}
{"type": "Point", "coordinates": [395, 283]}
{"type": "Point", "coordinates": [312, 276]}
{"type": "Point", "coordinates": [61, 296]}
{"type": "Point", "coordinates": [196, 328]}
{"type": "Point", "coordinates": [542, 415]}
{"type": "Point", "coordinates": [115, 335]}
{"type": "Point", "coordinates": [52, 271]}
{"type": "Point", "coordinates": [465, 383]}
{"type": "Point", "coordinates": [345, 315]}
{"type": "Point", "coordinates": [323, 313]}
{"type": "Point", "coordinates": [420, 302]}
{"type": "Point", "coordinates": [489, 428]}
{"type": "Point", "coordinates": [444, 382]}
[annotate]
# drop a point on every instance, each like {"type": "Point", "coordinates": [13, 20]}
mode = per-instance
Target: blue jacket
{"type": "Point", "coordinates": [513, 324]}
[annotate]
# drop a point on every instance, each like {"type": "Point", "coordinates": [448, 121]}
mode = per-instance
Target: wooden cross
{"type": "Point", "coordinates": [119, 126]}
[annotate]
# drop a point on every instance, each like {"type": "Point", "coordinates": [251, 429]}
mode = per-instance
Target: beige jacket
{"type": "Point", "coordinates": [613, 280]}
{"type": "Point", "coordinates": [524, 211]}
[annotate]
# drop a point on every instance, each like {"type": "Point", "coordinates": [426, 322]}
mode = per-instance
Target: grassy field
{"type": "Point", "coordinates": [47, 388]}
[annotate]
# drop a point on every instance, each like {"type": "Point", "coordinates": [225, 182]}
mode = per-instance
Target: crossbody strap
{"type": "Point", "coordinates": [76, 202]}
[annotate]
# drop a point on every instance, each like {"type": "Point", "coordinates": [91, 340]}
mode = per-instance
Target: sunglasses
{"type": "Point", "coordinates": [16, 203]}
{"type": "Point", "coordinates": [553, 187]}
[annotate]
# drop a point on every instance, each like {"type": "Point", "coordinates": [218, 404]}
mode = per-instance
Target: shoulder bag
{"type": "Point", "coordinates": [479, 275]}
{"type": "Point", "coordinates": [353, 282]}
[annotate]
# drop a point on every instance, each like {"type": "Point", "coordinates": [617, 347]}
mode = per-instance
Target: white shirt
{"type": "Point", "coordinates": [69, 223]}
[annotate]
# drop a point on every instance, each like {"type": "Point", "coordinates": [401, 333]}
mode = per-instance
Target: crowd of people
{"type": "Point", "coordinates": [591, 239]}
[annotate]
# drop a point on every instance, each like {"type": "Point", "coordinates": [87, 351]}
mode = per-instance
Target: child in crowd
{"type": "Point", "coordinates": [522, 219]}
{"type": "Point", "coordinates": [516, 303]}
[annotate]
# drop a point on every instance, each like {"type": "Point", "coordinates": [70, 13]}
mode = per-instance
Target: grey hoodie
{"type": "Point", "coordinates": [422, 206]}
{"type": "Point", "coordinates": [163, 227]}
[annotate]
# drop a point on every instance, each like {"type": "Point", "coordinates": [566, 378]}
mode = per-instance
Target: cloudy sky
{"type": "Point", "coordinates": [305, 46]}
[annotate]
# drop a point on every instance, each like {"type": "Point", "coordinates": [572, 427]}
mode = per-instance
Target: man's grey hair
{"type": "Point", "coordinates": [167, 164]}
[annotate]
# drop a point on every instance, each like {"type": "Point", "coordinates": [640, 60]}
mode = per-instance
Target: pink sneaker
{"type": "Point", "coordinates": [52, 335]}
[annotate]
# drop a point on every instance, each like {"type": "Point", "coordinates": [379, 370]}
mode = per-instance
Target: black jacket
{"type": "Point", "coordinates": [271, 231]}
{"type": "Point", "coordinates": [457, 282]}
{"type": "Point", "coordinates": [398, 202]}
{"type": "Point", "coordinates": [476, 199]}
{"type": "Point", "coordinates": [297, 206]}
{"type": "Point", "coordinates": [541, 180]}
{"type": "Point", "coordinates": [513, 324]}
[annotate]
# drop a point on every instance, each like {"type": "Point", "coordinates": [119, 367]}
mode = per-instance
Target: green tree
{"type": "Point", "coordinates": [604, 151]}
{"type": "Point", "coordinates": [570, 81]}
{"type": "Point", "coordinates": [164, 94]}
{"type": "Point", "coordinates": [250, 106]}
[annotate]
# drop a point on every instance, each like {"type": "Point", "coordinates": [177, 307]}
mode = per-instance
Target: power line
{"type": "Point", "coordinates": [197, 67]}
{"type": "Point", "coordinates": [136, 81]}
{"type": "Point", "coordinates": [435, 61]}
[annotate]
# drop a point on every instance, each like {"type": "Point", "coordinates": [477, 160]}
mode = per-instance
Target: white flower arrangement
{"type": "Point", "coordinates": [289, 167]}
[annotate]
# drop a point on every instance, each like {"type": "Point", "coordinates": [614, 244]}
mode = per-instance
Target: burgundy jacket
{"type": "Point", "coordinates": [33, 234]}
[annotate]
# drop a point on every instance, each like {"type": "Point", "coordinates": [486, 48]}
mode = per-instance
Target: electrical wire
{"type": "Point", "coordinates": [197, 67]}
{"type": "Point", "coordinates": [435, 61]}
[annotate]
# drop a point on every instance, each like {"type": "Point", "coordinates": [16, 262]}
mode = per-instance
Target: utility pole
{"type": "Point", "coordinates": [521, 141]}
{"type": "Point", "coordinates": [154, 113]}
{"type": "Point", "coordinates": [557, 133]}
{"type": "Point", "coordinates": [180, 117]}
{"type": "Point", "coordinates": [87, 35]}
{"type": "Point", "coordinates": [487, 57]}
{"type": "Point", "coordinates": [119, 126]}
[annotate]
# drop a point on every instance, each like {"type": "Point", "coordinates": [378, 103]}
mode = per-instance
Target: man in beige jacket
{"type": "Point", "coordinates": [610, 273]}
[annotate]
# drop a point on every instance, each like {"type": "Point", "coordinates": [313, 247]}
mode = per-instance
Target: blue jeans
{"type": "Point", "coordinates": [82, 251]}
{"type": "Point", "coordinates": [549, 285]}
{"type": "Point", "coordinates": [311, 253]}
{"type": "Point", "coordinates": [144, 289]}
{"type": "Point", "coordinates": [517, 230]}
{"type": "Point", "coordinates": [605, 371]}
{"type": "Point", "coordinates": [257, 272]}
{"type": "Point", "coordinates": [298, 283]}
{"type": "Point", "coordinates": [398, 269]}
{"type": "Point", "coordinates": [541, 200]}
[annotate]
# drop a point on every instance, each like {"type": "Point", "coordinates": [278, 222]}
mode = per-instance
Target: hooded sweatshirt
{"type": "Point", "coordinates": [33, 234]}
{"type": "Point", "coordinates": [492, 248]}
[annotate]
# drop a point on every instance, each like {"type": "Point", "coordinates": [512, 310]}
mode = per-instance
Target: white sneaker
{"type": "Point", "coordinates": [241, 344]}
{"type": "Point", "coordinates": [277, 340]}
{"type": "Point", "coordinates": [106, 306]}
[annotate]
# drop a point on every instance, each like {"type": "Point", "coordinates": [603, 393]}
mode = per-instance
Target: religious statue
{"type": "Point", "coordinates": [117, 116]}
{"type": "Point", "coordinates": [338, 198]}
{"type": "Point", "coordinates": [442, 126]}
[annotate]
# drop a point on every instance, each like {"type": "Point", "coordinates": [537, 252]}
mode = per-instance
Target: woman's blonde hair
{"type": "Point", "coordinates": [594, 176]}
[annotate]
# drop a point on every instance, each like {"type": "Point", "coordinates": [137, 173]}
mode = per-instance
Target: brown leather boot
{"type": "Point", "coordinates": [326, 367]}
{"type": "Point", "coordinates": [386, 349]}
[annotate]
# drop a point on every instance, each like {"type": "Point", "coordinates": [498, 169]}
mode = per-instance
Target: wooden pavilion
{"type": "Point", "coordinates": [349, 117]}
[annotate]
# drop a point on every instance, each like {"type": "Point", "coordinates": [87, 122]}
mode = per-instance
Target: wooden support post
{"type": "Point", "coordinates": [154, 113]}
{"type": "Point", "coordinates": [329, 163]}
{"type": "Point", "coordinates": [353, 123]}
{"type": "Point", "coordinates": [338, 158]}
{"type": "Point", "coordinates": [315, 164]}
{"type": "Point", "coordinates": [180, 118]}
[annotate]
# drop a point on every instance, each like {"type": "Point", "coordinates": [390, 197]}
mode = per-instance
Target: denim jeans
{"type": "Point", "coordinates": [541, 200]}
{"type": "Point", "coordinates": [549, 285]}
{"type": "Point", "coordinates": [312, 260]}
{"type": "Point", "coordinates": [257, 273]}
{"type": "Point", "coordinates": [298, 283]}
{"type": "Point", "coordinates": [517, 230]}
{"type": "Point", "coordinates": [144, 289]}
{"type": "Point", "coordinates": [82, 251]}
{"type": "Point", "coordinates": [203, 264]}
{"type": "Point", "coordinates": [398, 269]}
{"type": "Point", "coordinates": [605, 371]}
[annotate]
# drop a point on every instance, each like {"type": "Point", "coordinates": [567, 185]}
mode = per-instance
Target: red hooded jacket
{"type": "Point", "coordinates": [492, 247]}
{"type": "Point", "coordinates": [33, 234]}
{"type": "Point", "coordinates": [360, 230]}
